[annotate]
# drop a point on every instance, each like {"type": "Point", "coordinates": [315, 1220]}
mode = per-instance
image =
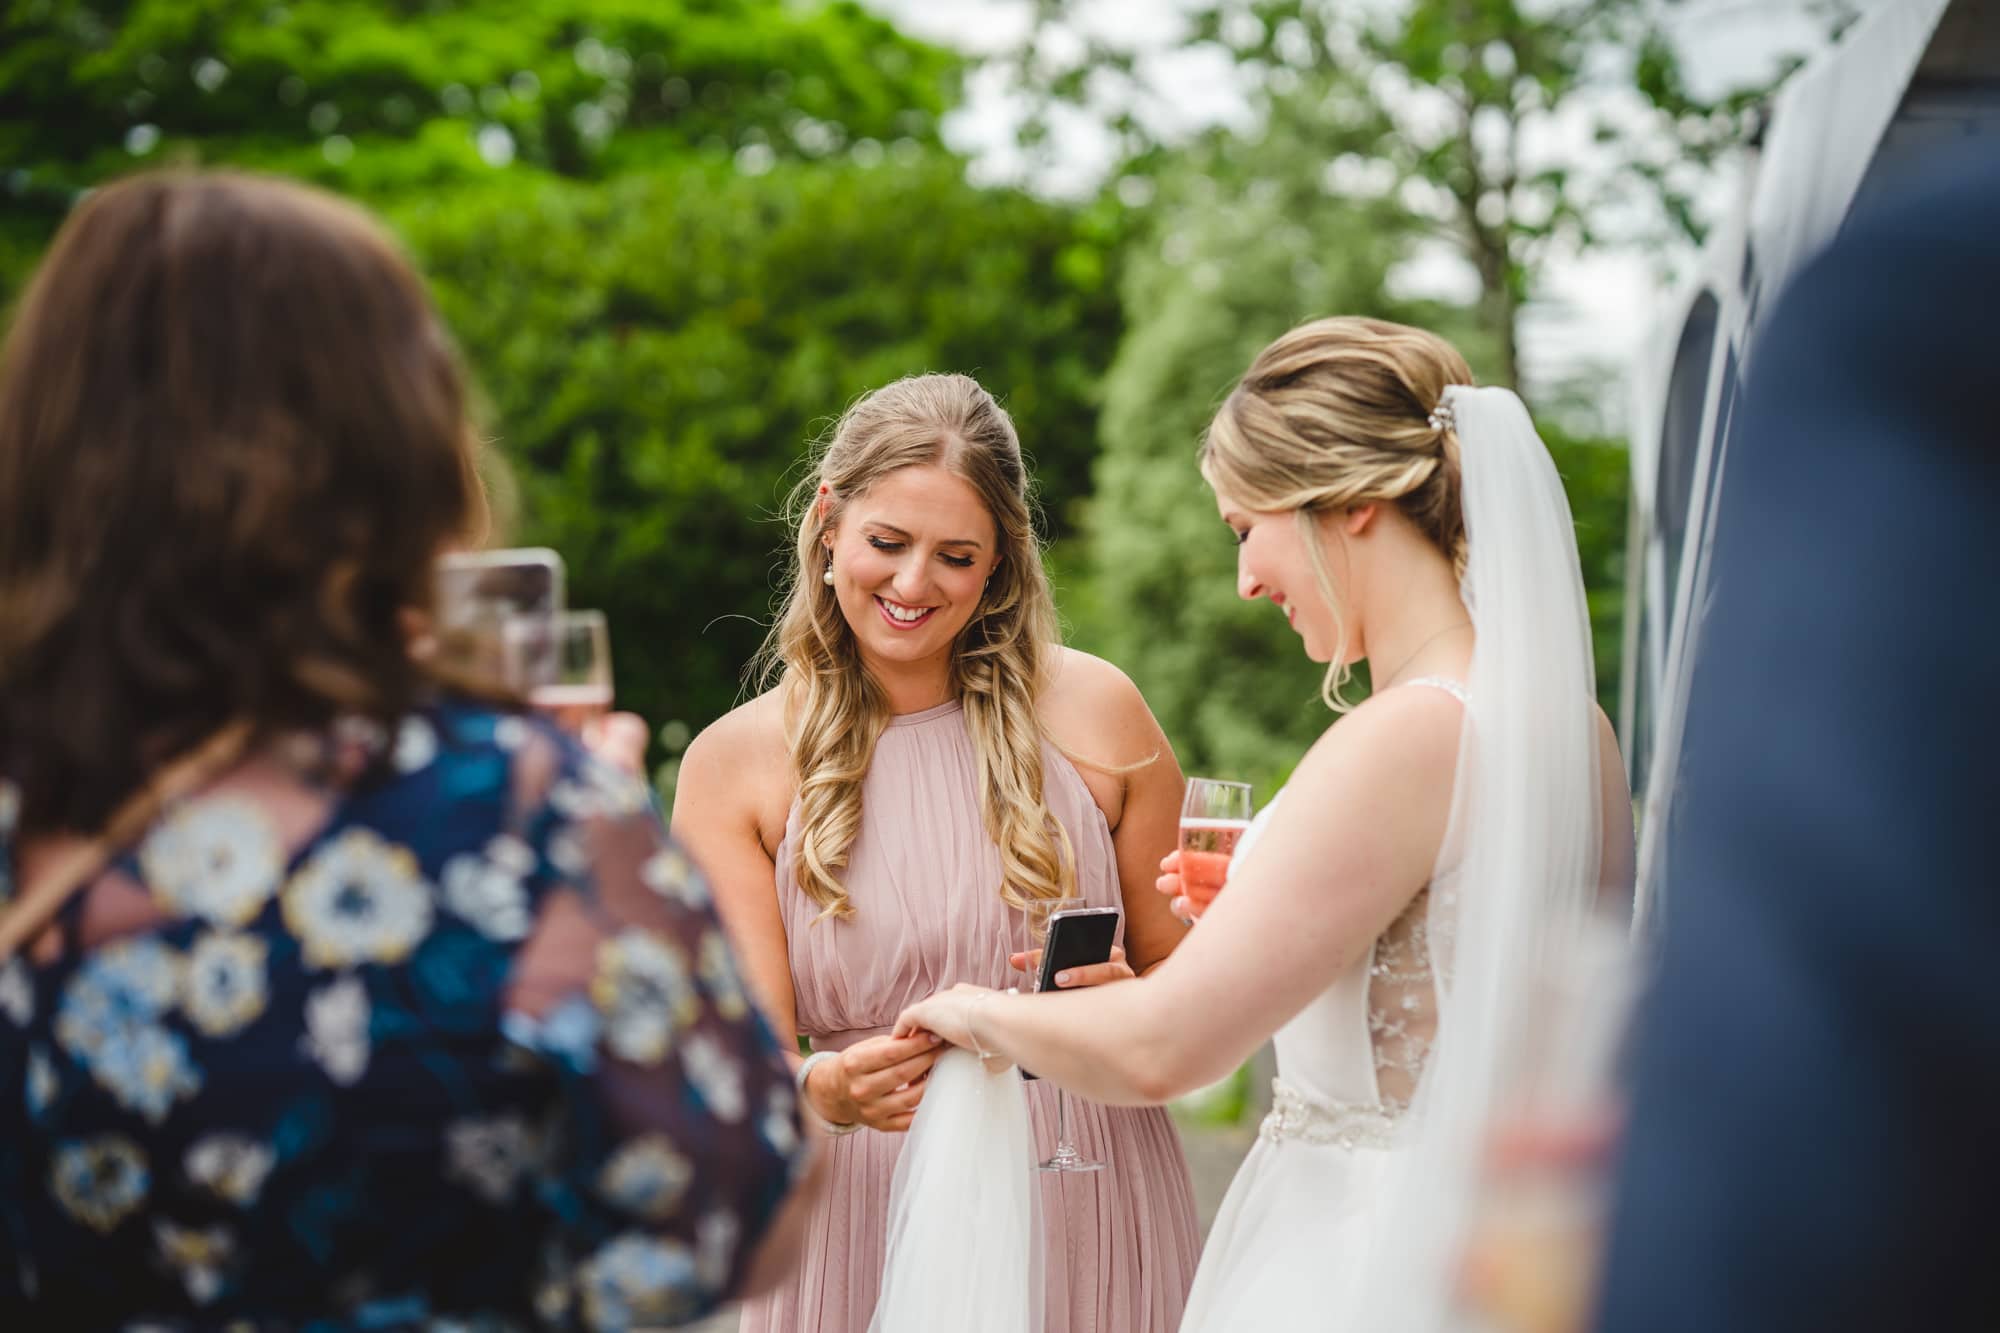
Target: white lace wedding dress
{"type": "Point", "coordinates": [1293, 1235]}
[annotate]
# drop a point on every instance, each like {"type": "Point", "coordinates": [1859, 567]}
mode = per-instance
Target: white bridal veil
{"type": "Point", "coordinates": [965, 1186]}
{"type": "Point", "coordinates": [1525, 826]}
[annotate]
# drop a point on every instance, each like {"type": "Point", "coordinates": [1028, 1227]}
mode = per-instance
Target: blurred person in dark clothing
{"type": "Point", "coordinates": [331, 997]}
{"type": "Point", "coordinates": [1812, 1142]}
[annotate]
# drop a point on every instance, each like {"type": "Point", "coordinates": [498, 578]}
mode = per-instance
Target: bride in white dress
{"type": "Point", "coordinates": [1434, 856]}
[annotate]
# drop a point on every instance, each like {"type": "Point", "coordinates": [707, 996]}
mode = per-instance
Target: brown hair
{"type": "Point", "coordinates": [1338, 413]}
{"type": "Point", "coordinates": [233, 439]}
{"type": "Point", "coordinates": [998, 664]}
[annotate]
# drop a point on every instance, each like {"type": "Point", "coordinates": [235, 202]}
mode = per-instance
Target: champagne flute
{"type": "Point", "coordinates": [1067, 1157]}
{"type": "Point", "coordinates": [562, 663]}
{"type": "Point", "coordinates": [1214, 815]}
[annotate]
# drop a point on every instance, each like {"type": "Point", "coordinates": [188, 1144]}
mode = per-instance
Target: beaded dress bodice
{"type": "Point", "coordinates": [1349, 1063]}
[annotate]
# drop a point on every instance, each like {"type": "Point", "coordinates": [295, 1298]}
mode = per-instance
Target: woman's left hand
{"type": "Point", "coordinates": [951, 1014]}
{"type": "Point", "coordinates": [1094, 974]}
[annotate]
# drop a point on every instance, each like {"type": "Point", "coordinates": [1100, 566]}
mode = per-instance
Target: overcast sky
{"type": "Point", "coordinates": [1598, 309]}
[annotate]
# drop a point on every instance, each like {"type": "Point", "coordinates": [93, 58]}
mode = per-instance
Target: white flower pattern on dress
{"type": "Point", "coordinates": [715, 1240]}
{"type": "Point", "coordinates": [716, 1076]}
{"type": "Point", "coordinates": [223, 982]}
{"type": "Point", "coordinates": [598, 790]}
{"type": "Point", "coordinates": [43, 1082]}
{"type": "Point", "coordinates": [670, 874]}
{"type": "Point", "coordinates": [337, 1030]}
{"type": "Point", "coordinates": [637, 1280]}
{"type": "Point", "coordinates": [100, 1181]}
{"type": "Point", "coordinates": [232, 1167]}
{"type": "Point", "coordinates": [275, 987]}
{"type": "Point", "coordinates": [358, 899]}
{"type": "Point", "coordinates": [489, 889]}
{"type": "Point", "coordinates": [17, 992]}
{"type": "Point", "coordinates": [197, 1255]}
{"type": "Point", "coordinates": [780, 1123]}
{"type": "Point", "coordinates": [219, 859]}
{"type": "Point", "coordinates": [718, 973]}
{"type": "Point", "coordinates": [416, 745]}
{"type": "Point", "coordinates": [566, 854]}
{"type": "Point", "coordinates": [643, 990]}
{"type": "Point", "coordinates": [646, 1178]}
{"type": "Point", "coordinates": [147, 1069]}
{"type": "Point", "coordinates": [110, 1021]}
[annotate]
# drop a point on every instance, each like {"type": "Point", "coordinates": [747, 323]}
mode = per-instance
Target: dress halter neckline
{"type": "Point", "coordinates": [932, 713]}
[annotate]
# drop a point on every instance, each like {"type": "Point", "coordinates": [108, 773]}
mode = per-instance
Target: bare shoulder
{"type": "Point", "coordinates": [1091, 707]}
{"type": "Point", "coordinates": [740, 762]}
{"type": "Point", "coordinates": [753, 732]}
{"type": "Point", "coordinates": [1402, 736]}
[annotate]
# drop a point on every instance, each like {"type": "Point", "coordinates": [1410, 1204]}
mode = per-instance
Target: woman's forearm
{"type": "Point", "coordinates": [1118, 1044]}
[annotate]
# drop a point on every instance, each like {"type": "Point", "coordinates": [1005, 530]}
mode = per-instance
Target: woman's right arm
{"type": "Point", "coordinates": [726, 779]}
{"type": "Point", "coordinates": [716, 816]}
{"type": "Point", "coordinates": [723, 805]}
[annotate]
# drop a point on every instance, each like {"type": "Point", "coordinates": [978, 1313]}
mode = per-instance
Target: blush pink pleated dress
{"type": "Point", "coordinates": [923, 877]}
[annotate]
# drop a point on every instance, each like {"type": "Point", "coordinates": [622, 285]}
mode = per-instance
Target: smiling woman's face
{"type": "Point", "coordinates": [911, 556]}
{"type": "Point", "coordinates": [1272, 563]}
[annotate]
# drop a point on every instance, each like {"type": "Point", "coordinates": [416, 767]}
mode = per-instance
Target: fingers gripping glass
{"type": "Point", "coordinates": [1214, 815]}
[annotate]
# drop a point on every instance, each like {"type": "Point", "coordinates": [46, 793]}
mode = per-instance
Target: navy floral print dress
{"type": "Point", "coordinates": [431, 1029]}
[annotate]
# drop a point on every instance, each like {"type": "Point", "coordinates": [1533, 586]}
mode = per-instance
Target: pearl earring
{"type": "Point", "coordinates": [826, 576]}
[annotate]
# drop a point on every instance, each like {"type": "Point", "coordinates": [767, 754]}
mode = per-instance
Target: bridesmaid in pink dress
{"type": "Point", "coordinates": [929, 759]}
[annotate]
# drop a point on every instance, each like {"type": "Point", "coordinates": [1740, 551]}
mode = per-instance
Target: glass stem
{"type": "Point", "coordinates": [1063, 1148]}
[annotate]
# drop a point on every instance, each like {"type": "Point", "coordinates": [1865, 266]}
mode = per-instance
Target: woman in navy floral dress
{"type": "Point", "coordinates": [410, 1016]}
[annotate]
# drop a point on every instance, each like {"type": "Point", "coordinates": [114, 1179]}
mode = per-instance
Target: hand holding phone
{"type": "Point", "coordinates": [1077, 938]}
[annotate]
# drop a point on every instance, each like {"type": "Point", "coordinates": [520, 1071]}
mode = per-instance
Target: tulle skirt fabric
{"type": "Point", "coordinates": [1291, 1242]}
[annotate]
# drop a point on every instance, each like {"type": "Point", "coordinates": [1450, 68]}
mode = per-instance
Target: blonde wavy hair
{"type": "Point", "coordinates": [836, 711]}
{"type": "Point", "coordinates": [1338, 413]}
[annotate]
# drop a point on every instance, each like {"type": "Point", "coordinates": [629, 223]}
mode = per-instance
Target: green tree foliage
{"type": "Point", "coordinates": [580, 87]}
{"type": "Point", "coordinates": [674, 237]}
{"type": "Point", "coordinates": [1381, 133]}
{"type": "Point", "coordinates": [1461, 109]}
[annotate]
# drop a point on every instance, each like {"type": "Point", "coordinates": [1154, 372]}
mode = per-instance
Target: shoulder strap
{"type": "Point", "coordinates": [1454, 688]}
{"type": "Point", "coordinates": [42, 896]}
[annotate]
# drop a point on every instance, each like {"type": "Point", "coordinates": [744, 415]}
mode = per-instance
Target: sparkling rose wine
{"type": "Point", "coordinates": [1206, 846]}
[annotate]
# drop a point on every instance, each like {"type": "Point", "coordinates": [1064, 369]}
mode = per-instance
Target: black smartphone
{"type": "Point", "coordinates": [1078, 937]}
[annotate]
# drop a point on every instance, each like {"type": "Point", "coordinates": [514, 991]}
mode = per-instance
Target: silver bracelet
{"type": "Point", "coordinates": [972, 1005]}
{"type": "Point", "coordinates": [805, 1099]}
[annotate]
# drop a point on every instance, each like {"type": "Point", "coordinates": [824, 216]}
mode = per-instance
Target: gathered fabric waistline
{"type": "Point", "coordinates": [840, 1041]}
{"type": "Point", "coordinates": [1303, 1118]}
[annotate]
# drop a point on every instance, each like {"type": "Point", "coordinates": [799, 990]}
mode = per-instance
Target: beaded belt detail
{"type": "Point", "coordinates": [1294, 1115]}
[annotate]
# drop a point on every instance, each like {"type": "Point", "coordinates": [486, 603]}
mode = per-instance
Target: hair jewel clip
{"type": "Point", "coordinates": [1442, 418]}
